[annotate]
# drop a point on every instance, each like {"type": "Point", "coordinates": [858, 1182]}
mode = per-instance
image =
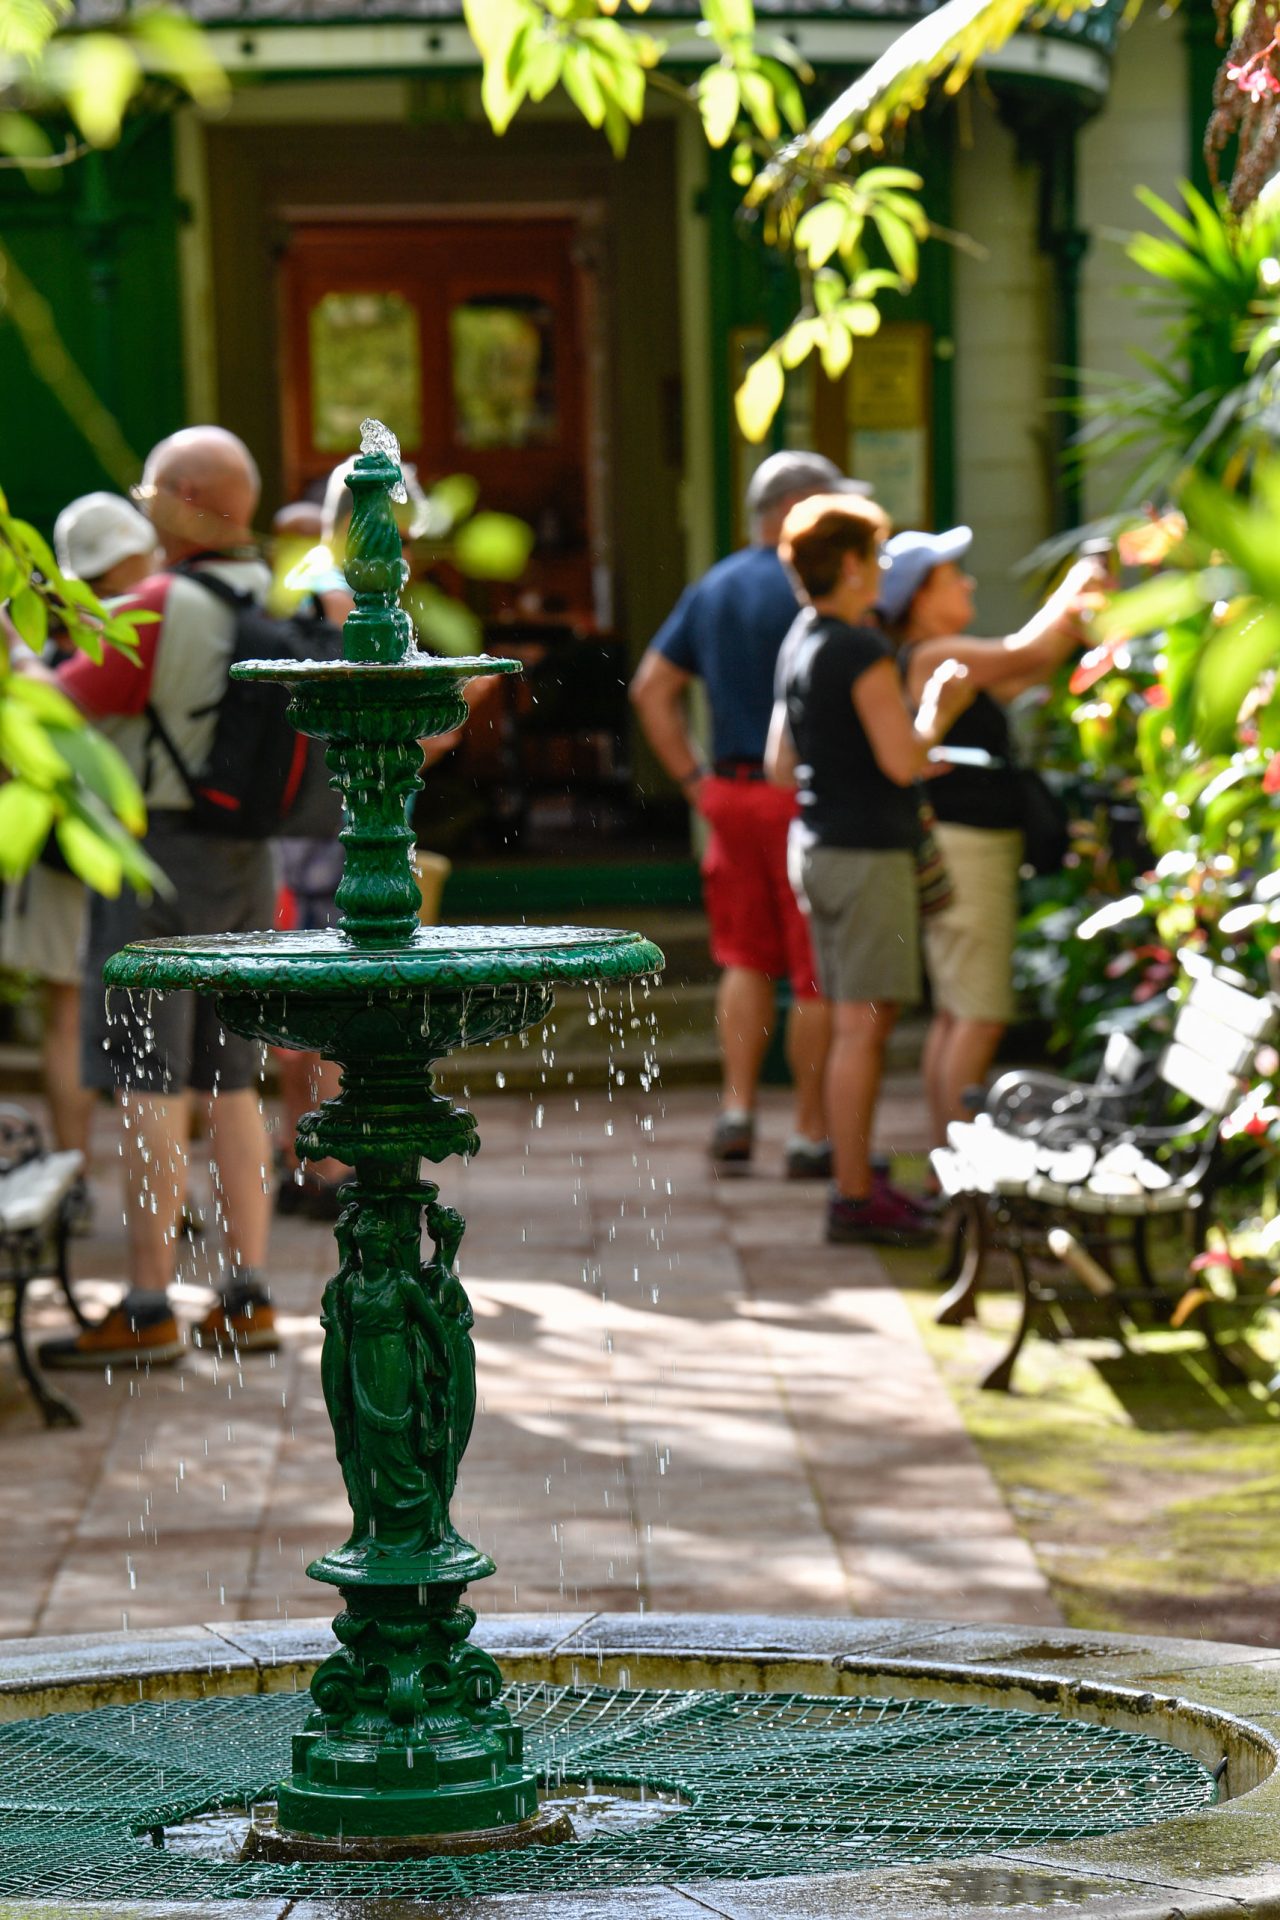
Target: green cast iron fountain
{"type": "Point", "coordinates": [407, 1743]}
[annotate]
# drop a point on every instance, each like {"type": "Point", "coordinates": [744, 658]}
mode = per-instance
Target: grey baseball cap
{"type": "Point", "coordinates": [784, 475]}
{"type": "Point", "coordinates": [908, 559]}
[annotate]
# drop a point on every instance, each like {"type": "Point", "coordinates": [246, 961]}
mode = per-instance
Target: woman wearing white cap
{"type": "Point", "coordinates": [925, 603]}
{"type": "Point", "coordinates": [107, 543]}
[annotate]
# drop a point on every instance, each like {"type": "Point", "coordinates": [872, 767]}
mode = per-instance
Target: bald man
{"type": "Point", "coordinates": [200, 491]}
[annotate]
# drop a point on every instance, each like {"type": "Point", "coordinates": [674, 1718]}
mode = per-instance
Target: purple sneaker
{"type": "Point", "coordinates": [885, 1219]}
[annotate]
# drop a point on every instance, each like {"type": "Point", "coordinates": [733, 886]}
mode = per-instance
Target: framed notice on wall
{"type": "Point", "coordinates": [887, 420]}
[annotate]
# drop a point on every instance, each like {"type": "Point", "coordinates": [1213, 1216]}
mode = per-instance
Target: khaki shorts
{"type": "Point", "coordinates": [864, 917]}
{"type": "Point", "coordinates": [969, 946]}
{"type": "Point", "coordinates": [43, 929]}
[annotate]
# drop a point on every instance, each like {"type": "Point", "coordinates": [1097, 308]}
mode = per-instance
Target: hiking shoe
{"type": "Point", "coordinates": [924, 1206]}
{"type": "Point", "coordinates": [883, 1220]}
{"type": "Point", "coordinates": [247, 1325]}
{"type": "Point", "coordinates": [145, 1334]}
{"type": "Point", "coordinates": [808, 1159]}
{"type": "Point", "coordinates": [732, 1141]}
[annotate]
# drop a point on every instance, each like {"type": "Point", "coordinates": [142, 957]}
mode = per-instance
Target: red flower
{"type": "Point", "coordinates": [1271, 778]}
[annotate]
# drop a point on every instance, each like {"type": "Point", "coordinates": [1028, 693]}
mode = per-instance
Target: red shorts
{"type": "Point", "coordinates": [755, 922]}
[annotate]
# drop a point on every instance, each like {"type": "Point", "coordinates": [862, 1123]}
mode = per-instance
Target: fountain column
{"type": "Point", "coordinates": [408, 1748]}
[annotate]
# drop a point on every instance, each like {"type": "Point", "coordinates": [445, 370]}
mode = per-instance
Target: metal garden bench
{"type": "Point", "coordinates": [1072, 1174]}
{"type": "Point", "coordinates": [35, 1229]}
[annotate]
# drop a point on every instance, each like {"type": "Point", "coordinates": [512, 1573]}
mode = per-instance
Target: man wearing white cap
{"type": "Point", "coordinates": [726, 631]}
{"type": "Point", "coordinates": [108, 544]}
{"type": "Point", "coordinates": [104, 541]}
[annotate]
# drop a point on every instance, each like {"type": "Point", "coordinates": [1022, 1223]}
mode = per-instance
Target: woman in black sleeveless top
{"type": "Point", "coordinates": [926, 603]}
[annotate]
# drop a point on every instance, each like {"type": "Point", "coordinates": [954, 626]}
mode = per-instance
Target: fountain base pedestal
{"type": "Point", "coordinates": [266, 1841]}
{"type": "Point", "coordinates": [409, 1739]}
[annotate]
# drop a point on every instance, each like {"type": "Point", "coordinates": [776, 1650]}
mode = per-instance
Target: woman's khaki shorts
{"type": "Point", "coordinates": [43, 926]}
{"type": "Point", "coordinates": [864, 917]}
{"type": "Point", "coordinates": [969, 946]}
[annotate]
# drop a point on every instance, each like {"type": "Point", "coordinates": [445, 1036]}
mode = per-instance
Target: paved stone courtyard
{"type": "Point", "coordinates": [687, 1401]}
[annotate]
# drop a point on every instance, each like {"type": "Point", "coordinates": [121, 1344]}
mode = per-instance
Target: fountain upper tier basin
{"type": "Point", "coordinates": [448, 959]}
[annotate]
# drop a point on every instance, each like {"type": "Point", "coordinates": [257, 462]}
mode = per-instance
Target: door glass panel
{"type": "Point", "coordinates": [503, 372]}
{"type": "Point", "coordinates": [364, 361]}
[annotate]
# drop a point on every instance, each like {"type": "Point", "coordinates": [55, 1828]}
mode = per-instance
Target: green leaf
{"type": "Point", "coordinates": [1231, 664]}
{"type": "Point", "coordinates": [542, 66]}
{"type": "Point", "coordinates": [25, 747]}
{"type": "Point", "coordinates": [1156, 603]}
{"type": "Point", "coordinates": [451, 500]}
{"type": "Point", "coordinates": [22, 137]}
{"type": "Point", "coordinates": [30, 616]}
{"type": "Point", "coordinates": [494, 25]}
{"type": "Point", "coordinates": [443, 623]}
{"type": "Point", "coordinates": [174, 45]}
{"type": "Point", "coordinates": [580, 81]}
{"type": "Point", "coordinates": [49, 705]}
{"type": "Point", "coordinates": [104, 75]}
{"type": "Point", "coordinates": [630, 87]}
{"type": "Point", "coordinates": [862, 317]}
{"type": "Point", "coordinates": [800, 340]}
{"type": "Point", "coordinates": [759, 397]}
{"type": "Point", "coordinates": [102, 770]}
{"type": "Point", "coordinates": [729, 18]}
{"type": "Point", "coordinates": [900, 242]}
{"type": "Point", "coordinates": [718, 103]}
{"type": "Point", "coordinates": [886, 179]}
{"type": "Point", "coordinates": [828, 289]}
{"type": "Point", "coordinates": [758, 98]}
{"type": "Point", "coordinates": [786, 89]}
{"type": "Point", "coordinates": [837, 347]}
{"type": "Point", "coordinates": [89, 853]}
{"type": "Point", "coordinates": [493, 546]}
{"type": "Point", "coordinates": [26, 815]}
{"type": "Point", "coordinates": [821, 231]}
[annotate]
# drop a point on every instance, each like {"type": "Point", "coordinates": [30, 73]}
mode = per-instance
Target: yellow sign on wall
{"type": "Point", "coordinates": [887, 417]}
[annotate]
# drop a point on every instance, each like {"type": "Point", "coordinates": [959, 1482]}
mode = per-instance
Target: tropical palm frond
{"type": "Point", "coordinates": [951, 40]}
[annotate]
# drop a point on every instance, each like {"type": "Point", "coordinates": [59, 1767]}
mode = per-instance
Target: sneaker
{"type": "Point", "coordinates": [882, 1220]}
{"type": "Point", "coordinates": [732, 1141]}
{"type": "Point", "coordinates": [808, 1159]}
{"type": "Point", "coordinates": [248, 1325]}
{"type": "Point", "coordinates": [145, 1334]}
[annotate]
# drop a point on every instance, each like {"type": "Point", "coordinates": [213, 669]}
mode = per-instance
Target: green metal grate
{"type": "Point", "coordinates": [775, 1784]}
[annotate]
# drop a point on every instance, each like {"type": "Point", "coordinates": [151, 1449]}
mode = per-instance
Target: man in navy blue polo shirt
{"type": "Point", "coordinates": [726, 631]}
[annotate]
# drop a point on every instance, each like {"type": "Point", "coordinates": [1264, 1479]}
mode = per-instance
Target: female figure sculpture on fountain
{"type": "Point", "coordinates": [387, 1370]}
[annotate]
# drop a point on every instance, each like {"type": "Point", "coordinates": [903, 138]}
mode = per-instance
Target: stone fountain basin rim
{"type": "Point", "coordinates": [322, 962]}
{"type": "Point", "coordinates": [1205, 1697]}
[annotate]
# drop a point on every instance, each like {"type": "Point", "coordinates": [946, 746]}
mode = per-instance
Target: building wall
{"type": "Point", "coordinates": [1001, 355]}
{"type": "Point", "coordinates": [440, 158]}
{"type": "Point", "coordinates": [1144, 137]}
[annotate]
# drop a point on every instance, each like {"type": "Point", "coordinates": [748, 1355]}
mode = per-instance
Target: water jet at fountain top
{"type": "Point", "coordinates": [407, 1738]}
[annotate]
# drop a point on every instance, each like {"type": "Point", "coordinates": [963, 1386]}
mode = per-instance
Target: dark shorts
{"type": "Point", "coordinates": [164, 1043]}
{"type": "Point", "coordinates": [755, 922]}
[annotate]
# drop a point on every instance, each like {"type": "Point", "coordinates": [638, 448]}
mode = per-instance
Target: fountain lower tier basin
{"type": "Point", "coordinates": [904, 1770]}
{"type": "Point", "coordinates": [374, 1006]}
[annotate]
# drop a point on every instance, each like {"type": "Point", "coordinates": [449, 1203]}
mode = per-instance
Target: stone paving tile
{"type": "Point", "coordinates": [686, 1401]}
